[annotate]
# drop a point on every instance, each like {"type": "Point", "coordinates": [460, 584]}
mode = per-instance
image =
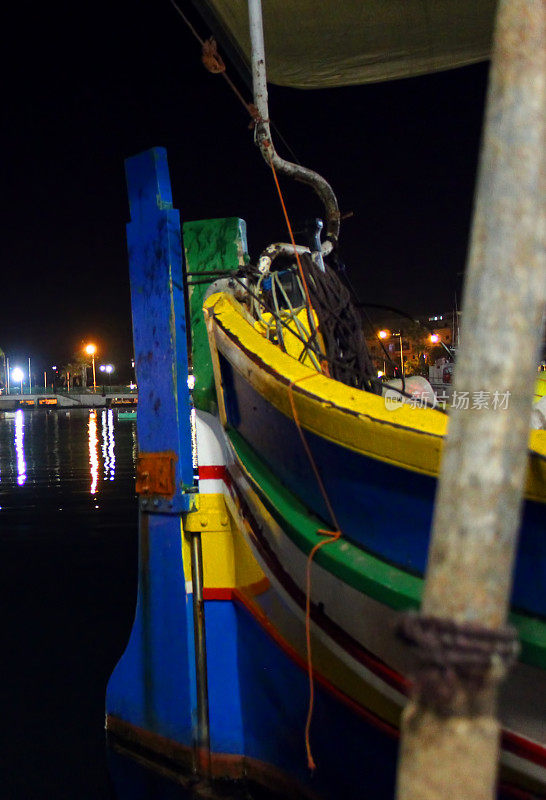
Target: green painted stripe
{"type": "Point", "coordinates": [353, 566]}
{"type": "Point", "coordinates": [532, 636]}
{"type": "Point", "coordinates": [364, 572]}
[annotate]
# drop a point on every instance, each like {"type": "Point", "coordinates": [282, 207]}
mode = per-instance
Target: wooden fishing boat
{"type": "Point", "coordinates": [378, 469]}
{"type": "Point", "coordinates": [266, 624]}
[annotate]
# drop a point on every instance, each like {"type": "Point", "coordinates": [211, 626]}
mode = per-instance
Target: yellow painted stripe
{"type": "Point", "coordinates": [409, 437]}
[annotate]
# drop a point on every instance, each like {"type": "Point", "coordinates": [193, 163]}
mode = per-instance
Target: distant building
{"type": "Point", "coordinates": [415, 338]}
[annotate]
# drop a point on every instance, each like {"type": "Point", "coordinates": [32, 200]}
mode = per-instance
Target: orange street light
{"type": "Point", "coordinates": [384, 334]}
{"type": "Point", "coordinates": [434, 338]}
{"type": "Point", "coordinates": [91, 349]}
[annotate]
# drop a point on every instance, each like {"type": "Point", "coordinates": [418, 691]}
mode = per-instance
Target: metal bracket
{"type": "Point", "coordinates": [206, 521]}
{"type": "Point", "coordinates": [156, 484]}
{"type": "Point", "coordinates": [180, 504]}
{"type": "Point", "coordinates": [155, 474]}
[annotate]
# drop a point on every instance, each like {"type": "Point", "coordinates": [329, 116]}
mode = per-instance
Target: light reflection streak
{"type": "Point", "coordinates": [93, 451]}
{"type": "Point", "coordinates": [134, 449]}
{"type": "Point", "coordinates": [111, 443]}
{"type": "Point", "coordinates": [193, 428]}
{"type": "Point", "coordinates": [104, 447]}
{"type": "Point", "coordinates": [56, 447]}
{"type": "Point", "coordinates": [19, 447]}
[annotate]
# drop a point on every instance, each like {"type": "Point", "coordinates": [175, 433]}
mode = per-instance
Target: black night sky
{"type": "Point", "coordinates": [86, 85]}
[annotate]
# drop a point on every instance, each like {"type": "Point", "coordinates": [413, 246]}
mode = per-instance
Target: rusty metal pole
{"type": "Point", "coordinates": [203, 760]}
{"type": "Point", "coordinates": [450, 736]}
{"type": "Point", "coordinates": [263, 132]}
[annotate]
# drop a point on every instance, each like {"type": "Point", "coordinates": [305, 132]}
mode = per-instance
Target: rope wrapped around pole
{"type": "Point", "coordinates": [450, 737]}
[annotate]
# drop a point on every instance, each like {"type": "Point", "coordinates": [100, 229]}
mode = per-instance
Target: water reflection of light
{"type": "Point", "coordinates": [104, 446]}
{"type": "Point", "coordinates": [56, 448]}
{"type": "Point", "coordinates": [134, 448]}
{"type": "Point", "coordinates": [111, 442]}
{"type": "Point", "coordinates": [93, 450]}
{"type": "Point", "coordinates": [19, 449]}
{"type": "Point", "coordinates": [193, 428]}
{"type": "Point", "coordinates": [108, 442]}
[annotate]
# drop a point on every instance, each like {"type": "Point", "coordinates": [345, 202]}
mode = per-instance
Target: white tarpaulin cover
{"type": "Point", "coordinates": [313, 44]}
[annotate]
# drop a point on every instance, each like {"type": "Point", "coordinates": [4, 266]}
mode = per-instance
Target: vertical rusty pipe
{"type": "Point", "coordinates": [203, 731]}
{"type": "Point", "coordinates": [263, 132]}
{"type": "Point", "coordinates": [450, 736]}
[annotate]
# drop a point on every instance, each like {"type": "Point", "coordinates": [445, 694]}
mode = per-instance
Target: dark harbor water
{"type": "Point", "coordinates": [68, 583]}
{"type": "Point", "coordinates": [68, 566]}
{"type": "Point", "coordinates": [68, 541]}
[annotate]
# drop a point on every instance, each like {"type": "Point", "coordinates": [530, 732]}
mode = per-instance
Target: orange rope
{"type": "Point", "coordinates": [212, 60]}
{"type": "Point", "coordinates": [214, 63]}
{"type": "Point", "coordinates": [333, 537]}
{"type": "Point", "coordinates": [324, 363]}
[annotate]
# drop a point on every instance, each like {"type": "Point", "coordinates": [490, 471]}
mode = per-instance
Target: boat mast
{"type": "Point", "coordinates": [263, 132]}
{"type": "Point", "coordinates": [450, 736]}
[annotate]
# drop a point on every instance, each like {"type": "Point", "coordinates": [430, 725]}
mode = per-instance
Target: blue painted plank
{"type": "Point", "coordinates": [152, 686]}
{"type": "Point", "coordinates": [159, 320]}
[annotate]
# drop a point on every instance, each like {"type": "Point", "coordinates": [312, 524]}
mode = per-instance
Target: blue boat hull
{"type": "Point", "coordinates": [381, 507]}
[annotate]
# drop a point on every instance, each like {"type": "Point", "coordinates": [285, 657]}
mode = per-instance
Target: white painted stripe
{"type": "Point", "coordinates": [371, 624]}
{"type": "Point", "coordinates": [362, 671]}
{"type": "Point", "coordinates": [523, 765]}
{"type": "Point", "coordinates": [210, 440]}
{"type": "Point", "coordinates": [211, 486]}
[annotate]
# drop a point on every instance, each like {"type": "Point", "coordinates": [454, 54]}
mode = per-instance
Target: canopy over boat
{"type": "Point", "coordinates": [316, 45]}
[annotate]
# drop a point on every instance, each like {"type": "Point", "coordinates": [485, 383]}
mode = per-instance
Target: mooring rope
{"type": "Point", "coordinates": [213, 62]}
{"type": "Point", "coordinates": [331, 536]}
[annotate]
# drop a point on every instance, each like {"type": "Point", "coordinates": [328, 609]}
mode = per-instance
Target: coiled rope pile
{"type": "Point", "coordinates": [340, 326]}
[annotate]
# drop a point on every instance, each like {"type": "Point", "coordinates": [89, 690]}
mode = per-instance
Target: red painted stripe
{"type": "Point", "coordinates": [227, 593]}
{"type": "Point", "coordinates": [512, 742]}
{"type": "Point", "coordinates": [218, 594]}
{"type": "Point", "coordinates": [212, 472]}
{"type": "Point", "coordinates": [256, 612]}
{"type": "Point", "coordinates": [508, 790]}
{"type": "Point", "coordinates": [524, 748]}
{"type": "Point", "coordinates": [334, 631]}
